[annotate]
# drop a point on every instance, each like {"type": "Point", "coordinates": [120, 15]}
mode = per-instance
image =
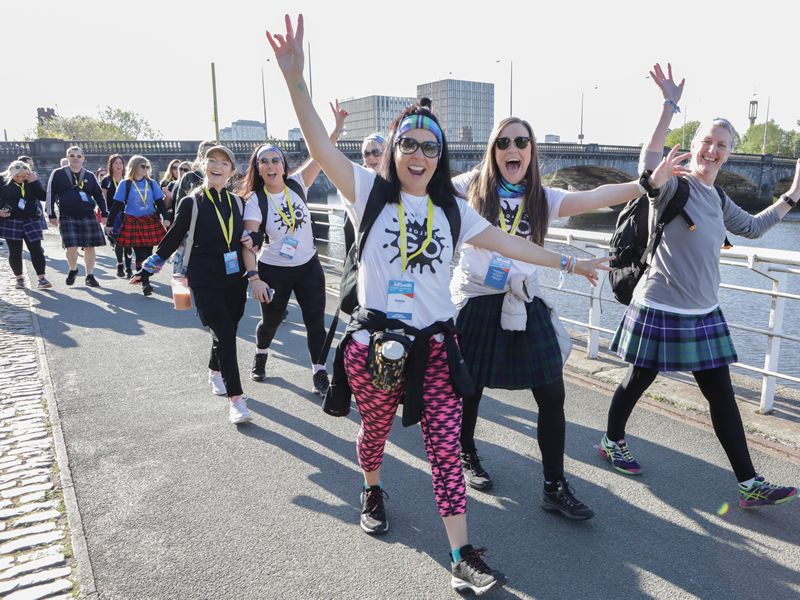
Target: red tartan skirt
{"type": "Point", "coordinates": [141, 231]}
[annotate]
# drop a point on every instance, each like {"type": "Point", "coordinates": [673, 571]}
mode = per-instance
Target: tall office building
{"type": "Point", "coordinates": [464, 108]}
{"type": "Point", "coordinates": [370, 114]}
{"type": "Point", "coordinates": [244, 129]}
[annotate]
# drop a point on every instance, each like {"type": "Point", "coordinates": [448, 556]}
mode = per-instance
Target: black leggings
{"type": "Point", "coordinates": [141, 253]}
{"type": "Point", "coordinates": [15, 256]}
{"type": "Point", "coordinates": [123, 253]}
{"type": "Point", "coordinates": [715, 384]}
{"type": "Point", "coordinates": [550, 427]}
{"type": "Point", "coordinates": [308, 284]}
{"type": "Point", "coordinates": [220, 310]}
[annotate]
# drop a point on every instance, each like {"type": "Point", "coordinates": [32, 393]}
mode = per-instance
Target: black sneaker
{"type": "Point", "coordinates": [321, 382]}
{"type": "Point", "coordinates": [259, 370]}
{"type": "Point", "coordinates": [120, 270]}
{"type": "Point", "coordinates": [474, 474]}
{"type": "Point", "coordinates": [91, 281]}
{"type": "Point", "coordinates": [562, 499]}
{"type": "Point", "coordinates": [147, 288]}
{"type": "Point", "coordinates": [373, 513]}
{"type": "Point", "coordinates": [128, 272]}
{"type": "Point", "coordinates": [472, 574]}
{"type": "Point", "coordinates": [71, 277]}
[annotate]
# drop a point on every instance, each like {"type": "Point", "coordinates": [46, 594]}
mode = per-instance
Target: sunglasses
{"type": "Point", "coordinates": [275, 160]}
{"type": "Point", "coordinates": [183, 170]}
{"type": "Point", "coordinates": [504, 142]}
{"type": "Point", "coordinates": [374, 152]}
{"type": "Point", "coordinates": [144, 166]}
{"type": "Point", "coordinates": [75, 155]}
{"type": "Point", "coordinates": [408, 145]}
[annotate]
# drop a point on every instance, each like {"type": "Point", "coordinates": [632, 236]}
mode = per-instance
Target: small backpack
{"type": "Point", "coordinates": [633, 245]}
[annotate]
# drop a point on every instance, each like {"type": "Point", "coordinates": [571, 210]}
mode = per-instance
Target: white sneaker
{"type": "Point", "coordinates": [238, 412]}
{"type": "Point", "coordinates": [217, 383]}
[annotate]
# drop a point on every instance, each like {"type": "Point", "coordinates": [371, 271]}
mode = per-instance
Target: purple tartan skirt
{"type": "Point", "coordinates": [21, 229]}
{"type": "Point", "coordinates": [656, 339]}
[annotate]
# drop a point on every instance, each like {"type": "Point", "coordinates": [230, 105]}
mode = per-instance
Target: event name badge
{"type": "Point", "coordinates": [400, 304]}
{"type": "Point", "coordinates": [497, 275]}
{"type": "Point", "coordinates": [83, 196]}
{"type": "Point", "coordinates": [288, 247]}
{"type": "Point", "coordinates": [231, 263]}
{"type": "Point", "coordinates": [21, 204]}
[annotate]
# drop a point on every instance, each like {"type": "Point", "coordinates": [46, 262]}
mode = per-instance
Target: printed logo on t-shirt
{"type": "Point", "coordinates": [299, 217]}
{"type": "Point", "coordinates": [509, 213]}
{"type": "Point", "coordinates": [416, 233]}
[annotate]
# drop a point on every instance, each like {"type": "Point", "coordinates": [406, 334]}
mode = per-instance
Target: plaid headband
{"type": "Point", "coordinates": [264, 149]}
{"type": "Point", "coordinates": [419, 122]}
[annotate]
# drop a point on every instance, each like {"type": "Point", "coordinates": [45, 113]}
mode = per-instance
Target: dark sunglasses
{"type": "Point", "coordinates": [504, 142]}
{"type": "Point", "coordinates": [275, 160]}
{"type": "Point", "coordinates": [374, 152]}
{"type": "Point", "coordinates": [409, 145]}
{"type": "Point", "coordinates": [144, 166]}
{"type": "Point", "coordinates": [183, 170]}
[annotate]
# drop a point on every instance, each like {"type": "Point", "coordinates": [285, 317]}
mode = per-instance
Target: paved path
{"type": "Point", "coordinates": [177, 503]}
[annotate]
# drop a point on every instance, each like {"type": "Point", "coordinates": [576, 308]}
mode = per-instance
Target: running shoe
{"type": "Point", "coordinates": [764, 493]}
{"type": "Point", "coordinates": [474, 474]}
{"type": "Point", "coordinates": [91, 281]}
{"type": "Point", "coordinates": [120, 270]}
{"type": "Point", "coordinates": [71, 277]}
{"type": "Point", "coordinates": [373, 512]}
{"type": "Point", "coordinates": [128, 272]}
{"type": "Point", "coordinates": [238, 412]}
{"type": "Point", "coordinates": [619, 455]}
{"type": "Point", "coordinates": [259, 370]}
{"type": "Point", "coordinates": [43, 284]}
{"type": "Point", "coordinates": [20, 284]}
{"type": "Point", "coordinates": [321, 382]}
{"type": "Point", "coordinates": [147, 288]}
{"type": "Point", "coordinates": [217, 383]}
{"type": "Point", "coordinates": [562, 499]}
{"type": "Point", "coordinates": [472, 574]}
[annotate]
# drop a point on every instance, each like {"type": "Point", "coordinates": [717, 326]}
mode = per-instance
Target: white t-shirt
{"type": "Point", "coordinates": [474, 262]}
{"type": "Point", "coordinates": [277, 229]}
{"type": "Point", "coordinates": [430, 271]}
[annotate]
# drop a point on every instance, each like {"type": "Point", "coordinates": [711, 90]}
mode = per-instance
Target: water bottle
{"type": "Point", "coordinates": [392, 351]}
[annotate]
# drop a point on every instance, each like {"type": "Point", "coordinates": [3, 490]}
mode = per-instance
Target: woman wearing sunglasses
{"type": "Point", "coordinates": [142, 202]}
{"type": "Point", "coordinates": [109, 185]}
{"type": "Point", "coordinates": [403, 282]}
{"type": "Point", "coordinates": [372, 149]}
{"type": "Point", "coordinates": [167, 184]}
{"type": "Point", "coordinates": [288, 260]}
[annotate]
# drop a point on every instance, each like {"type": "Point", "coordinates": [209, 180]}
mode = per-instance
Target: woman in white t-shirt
{"type": "Point", "coordinates": [288, 262]}
{"type": "Point", "coordinates": [403, 280]}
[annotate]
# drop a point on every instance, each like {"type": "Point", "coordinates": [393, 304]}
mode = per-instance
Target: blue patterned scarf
{"type": "Point", "coordinates": [510, 190]}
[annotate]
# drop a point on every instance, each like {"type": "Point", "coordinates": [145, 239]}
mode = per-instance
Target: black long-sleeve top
{"type": "Point", "coordinates": [206, 264]}
{"type": "Point", "coordinates": [64, 188]}
{"type": "Point", "coordinates": [181, 189]}
{"type": "Point", "coordinates": [11, 194]}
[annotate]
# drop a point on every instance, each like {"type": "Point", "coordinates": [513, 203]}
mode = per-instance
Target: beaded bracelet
{"type": "Point", "coordinates": [673, 104]}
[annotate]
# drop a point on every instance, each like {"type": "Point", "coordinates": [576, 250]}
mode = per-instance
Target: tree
{"type": "Point", "coordinates": [112, 124]}
{"type": "Point", "coordinates": [754, 139]}
{"type": "Point", "coordinates": [676, 136]}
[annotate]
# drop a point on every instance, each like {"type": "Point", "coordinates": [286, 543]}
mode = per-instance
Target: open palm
{"type": "Point", "coordinates": [671, 90]}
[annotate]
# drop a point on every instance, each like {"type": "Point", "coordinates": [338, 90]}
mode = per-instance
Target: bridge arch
{"type": "Point", "coordinates": [585, 177]}
{"type": "Point", "coordinates": [739, 187]}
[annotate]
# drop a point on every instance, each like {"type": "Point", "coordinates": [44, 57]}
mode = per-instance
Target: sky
{"type": "Point", "coordinates": [153, 57]}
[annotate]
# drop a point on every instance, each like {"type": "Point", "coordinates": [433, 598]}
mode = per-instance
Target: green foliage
{"type": "Point", "coordinates": [676, 136]}
{"type": "Point", "coordinates": [779, 141]}
{"type": "Point", "coordinates": [112, 124]}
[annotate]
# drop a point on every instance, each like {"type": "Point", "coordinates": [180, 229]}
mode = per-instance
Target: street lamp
{"type": "Point", "coordinates": [752, 113]}
{"type": "Point", "coordinates": [580, 135]}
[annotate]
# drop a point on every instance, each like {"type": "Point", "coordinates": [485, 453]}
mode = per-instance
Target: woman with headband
{"type": "Point", "coordinates": [288, 262]}
{"type": "Point", "coordinates": [401, 342]}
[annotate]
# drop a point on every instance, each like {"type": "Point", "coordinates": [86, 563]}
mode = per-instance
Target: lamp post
{"type": "Point", "coordinates": [580, 135]}
{"type": "Point", "coordinates": [264, 99]}
{"type": "Point", "coordinates": [752, 113]}
{"type": "Point", "coordinates": [766, 122]}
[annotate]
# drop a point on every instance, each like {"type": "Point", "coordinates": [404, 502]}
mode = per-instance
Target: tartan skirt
{"type": "Point", "coordinates": [21, 229]}
{"type": "Point", "coordinates": [655, 339]}
{"type": "Point", "coordinates": [80, 232]}
{"type": "Point", "coordinates": [508, 360]}
{"type": "Point", "coordinates": [141, 231]}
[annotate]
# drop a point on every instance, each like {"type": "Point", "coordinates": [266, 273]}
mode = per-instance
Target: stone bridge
{"type": "Point", "coordinates": [749, 178]}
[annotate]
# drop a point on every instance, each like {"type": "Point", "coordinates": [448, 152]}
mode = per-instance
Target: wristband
{"type": "Point", "coordinates": [786, 198]}
{"type": "Point", "coordinates": [644, 182]}
{"type": "Point", "coordinates": [673, 104]}
{"type": "Point", "coordinates": [250, 274]}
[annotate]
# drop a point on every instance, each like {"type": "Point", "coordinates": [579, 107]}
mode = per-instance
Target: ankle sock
{"type": "Point", "coordinates": [746, 484]}
{"type": "Point", "coordinates": [318, 368]}
{"type": "Point", "coordinates": [261, 350]}
{"type": "Point", "coordinates": [367, 486]}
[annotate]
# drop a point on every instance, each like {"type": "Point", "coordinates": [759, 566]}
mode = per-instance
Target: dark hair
{"type": "Point", "coordinates": [168, 176]}
{"type": "Point", "coordinates": [440, 187]}
{"type": "Point", "coordinates": [252, 179]}
{"type": "Point", "coordinates": [482, 193]}
{"type": "Point", "coordinates": [110, 163]}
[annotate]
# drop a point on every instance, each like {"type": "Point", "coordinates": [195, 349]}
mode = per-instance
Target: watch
{"type": "Point", "coordinates": [644, 181]}
{"type": "Point", "coordinates": [251, 274]}
{"type": "Point", "coordinates": [786, 198]}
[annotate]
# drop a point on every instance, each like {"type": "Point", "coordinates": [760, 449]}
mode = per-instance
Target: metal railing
{"type": "Point", "coordinates": [774, 265]}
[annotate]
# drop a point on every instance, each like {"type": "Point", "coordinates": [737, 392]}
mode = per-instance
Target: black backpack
{"type": "Point", "coordinates": [263, 204]}
{"type": "Point", "coordinates": [633, 245]}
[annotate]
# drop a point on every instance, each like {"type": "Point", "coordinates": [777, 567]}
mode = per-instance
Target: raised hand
{"type": "Point", "coordinates": [670, 166]}
{"type": "Point", "coordinates": [289, 49]}
{"type": "Point", "coordinates": [339, 114]}
{"type": "Point", "coordinates": [669, 88]}
{"type": "Point", "coordinates": [589, 267]}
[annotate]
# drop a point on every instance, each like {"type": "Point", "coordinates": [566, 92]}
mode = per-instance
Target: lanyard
{"type": "Point", "coordinates": [227, 232]}
{"type": "Point", "coordinates": [21, 187]}
{"type": "Point", "coordinates": [515, 224]}
{"type": "Point", "coordinates": [138, 191]}
{"type": "Point", "coordinates": [76, 182]}
{"type": "Point", "coordinates": [401, 215]}
{"type": "Point", "coordinates": [290, 222]}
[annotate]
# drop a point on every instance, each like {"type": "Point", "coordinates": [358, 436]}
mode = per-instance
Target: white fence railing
{"type": "Point", "coordinates": [774, 265]}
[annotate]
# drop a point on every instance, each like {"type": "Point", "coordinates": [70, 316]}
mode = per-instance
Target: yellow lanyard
{"type": "Point", "coordinates": [76, 182]}
{"type": "Point", "coordinates": [21, 187]}
{"type": "Point", "coordinates": [138, 191]}
{"type": "Point", "coordinates": [515, 224]}
{"type": "Point", "coordinates": [226, 231]}
{"type": "Point", "coordinates": [290, 222]}
{"type": "Point", "coordinates": [401, 215]}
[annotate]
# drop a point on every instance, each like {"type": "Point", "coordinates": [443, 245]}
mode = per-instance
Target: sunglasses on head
{"type": "Point", "coordinates": [275, 160]}
{"type": "Point", "coordinates": [408, 145]}
{"type": "Point", "coordinates": [520, 142]}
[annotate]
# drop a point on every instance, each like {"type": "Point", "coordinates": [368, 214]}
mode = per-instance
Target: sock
{"type": "Point", "coordinates": [234, 398]}
{"type": "Point", "coordinates": [550, 486]}
{"type": "Point", "coordinates": [456, 553]}
{"type": "Point", "coordinates": [746, 484]}
{"type": "Point", "coordinates": [367, 486]}
{"type": "Point", "coordinates": [318, 368]}
{"type": "Point", "coordinates": [261, 350]}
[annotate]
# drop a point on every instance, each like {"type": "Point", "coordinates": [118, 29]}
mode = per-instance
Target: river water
{"type": "Point", "coordinates": [739, 307]}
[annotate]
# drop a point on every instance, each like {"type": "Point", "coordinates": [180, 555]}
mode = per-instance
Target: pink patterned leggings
{"type": "Point", "coordinates": [441, 423]}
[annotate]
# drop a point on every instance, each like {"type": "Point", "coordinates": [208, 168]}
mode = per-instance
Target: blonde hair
{"type": "Point", "coordinates": [133, 164]}
{"type": "Point", "coordinates": [12, 170]}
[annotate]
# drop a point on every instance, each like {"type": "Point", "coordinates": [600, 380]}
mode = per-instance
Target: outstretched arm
{"type": "Point", "coordinates": [672, 93]}
{"type": "Point", "coordinates": [289, 55]}
{"type": "Point", "coordinates": [310, 168]}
